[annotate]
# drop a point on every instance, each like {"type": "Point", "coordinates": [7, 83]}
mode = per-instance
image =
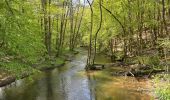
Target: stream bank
{"type": "Point", "coordinates": [14, 70]}
{"type": "Point", "coordinates": [72, 82]}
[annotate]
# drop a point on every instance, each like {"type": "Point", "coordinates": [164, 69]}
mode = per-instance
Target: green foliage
{"type": "Point", "coordinates": [164, 93]}
{"type": "Point", "coordinates": [164, 42]}
{"type": "Point", "coordinates": [163, 88]}
{"type": "Point", "coordinates": [149, 60]}
{"type": "Point", "coordinates": [59, 61]}
{"type": "Point", "coordinates": [16, 68]}
{"type": "Point", "coordinates": [20, 36]}
{"type": "Point", "coordinates": [153, 60]}
{"type": "Point", "coordinates": [20, 31]}
{"type": "Point", "coordinates": [119, 55]}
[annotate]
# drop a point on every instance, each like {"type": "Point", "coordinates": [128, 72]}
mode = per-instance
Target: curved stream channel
{"type": "Point", "coordinates": [71, 82]}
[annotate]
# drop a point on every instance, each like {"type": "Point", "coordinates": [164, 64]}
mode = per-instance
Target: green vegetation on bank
{"type": "Point", "coordinates": [50, 64]}
{"type": "Point", "coordinates": [162, 86]}
{"type": "Point", "coordinates": [16, 68]}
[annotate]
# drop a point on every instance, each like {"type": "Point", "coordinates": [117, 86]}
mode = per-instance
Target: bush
{"type": "Point", "coordinates": [164, 93]}
{"type": "Point", "coordinates": [16, 68]}
{"type": "Point", "coordinates": [154, 60]}
{"type": "Point", "coordinates": [163, 87]}
{"type": "Point", "coordinates": [151, 60]}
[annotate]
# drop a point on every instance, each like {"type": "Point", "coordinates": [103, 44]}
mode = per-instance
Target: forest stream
{"type": "Point", "coordinates": [72, 82]}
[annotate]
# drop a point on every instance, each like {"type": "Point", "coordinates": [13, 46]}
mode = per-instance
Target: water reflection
{"type": "Point", "coordinates": [49, 86]}
{"type": "Point", "coordinates": [92, 86]}
{"type": "Point", "coordinates": [20, 92]}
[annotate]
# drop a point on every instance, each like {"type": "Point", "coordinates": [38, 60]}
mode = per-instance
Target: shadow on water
{"type": "Point", "coordinates": [92, 86]}
{"type": "Point", "coordinates": [50, 93]}
{"type": "Point", "coordinates": [71, 82]}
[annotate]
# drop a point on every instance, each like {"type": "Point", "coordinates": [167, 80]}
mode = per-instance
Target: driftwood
{"type": "Point", "coordinates": [138, 73]}
{"type": "Point", "coordinates": [7, 80]}
{"type": "Point", "coordinates": [147, 72]}
{"type": "Point", "coordinates": [10, 79]}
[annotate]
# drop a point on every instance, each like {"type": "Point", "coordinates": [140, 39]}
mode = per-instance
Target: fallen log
{"type": "Point", "coordinates": [7, 80]}
{"type": "Point", "coordinates": [139, 73]}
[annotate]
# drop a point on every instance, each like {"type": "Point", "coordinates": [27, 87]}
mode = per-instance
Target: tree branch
{"type": "Point", "coordinates": [124, 30]}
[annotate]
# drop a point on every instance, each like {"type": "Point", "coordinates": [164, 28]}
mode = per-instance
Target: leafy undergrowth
{"type": "Point", "coordinates": [16, 68]}
{"type": "Point", "coordinates": [163, 87]}
{"type": "Point", "coordinates": [59, 61]}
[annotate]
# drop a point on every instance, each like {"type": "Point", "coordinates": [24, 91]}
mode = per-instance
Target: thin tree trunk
{"type": "Point", "coordinates": [90, 40]}
{"type": "Point", "coordinates": [75, 41]}
{"type": "Point", "coordinates": [100, 24]}
{"type": "Point", "coordinates": [163, 16]}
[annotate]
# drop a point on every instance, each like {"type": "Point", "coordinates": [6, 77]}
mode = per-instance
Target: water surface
{"type": "Point", "coordinates": [71, 82]}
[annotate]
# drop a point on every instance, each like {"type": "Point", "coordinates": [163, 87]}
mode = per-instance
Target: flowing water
{"type": "Point", "coordinates": [71, 82]}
